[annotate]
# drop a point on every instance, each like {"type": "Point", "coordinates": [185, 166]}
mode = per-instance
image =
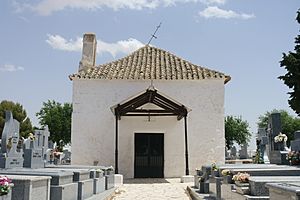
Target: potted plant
{"type": "Point", "coordinates": [5, 188]}
{"type": "Point", "coordinates": [294, 157]}
{"type": "Point", "coordinates": [227, 176]}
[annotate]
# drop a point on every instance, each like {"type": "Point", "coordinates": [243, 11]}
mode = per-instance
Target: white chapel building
{"type": "Point", "coordinates": [149, 114]}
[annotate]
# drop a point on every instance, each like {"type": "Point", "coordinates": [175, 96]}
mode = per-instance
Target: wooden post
{"type": "Point", "coordinates": [116, 148]}
{"type": "Point", "coordinates": [186, 147]}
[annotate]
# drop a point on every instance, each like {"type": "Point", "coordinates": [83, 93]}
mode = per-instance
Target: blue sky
{"type": "Point", "coordinates": [41, 44]}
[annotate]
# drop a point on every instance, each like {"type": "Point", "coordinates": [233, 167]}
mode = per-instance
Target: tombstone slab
{"type": "Point", "coordinates": [10, 156]}
{"type": "Point", "coordinates": [295, 144]}
{"type": "Point", "coordinates": [258, 183]}
{"type": "Point", "coordinates": [279, 191]}
{"type": "Point", "coordinates": [30, 187]}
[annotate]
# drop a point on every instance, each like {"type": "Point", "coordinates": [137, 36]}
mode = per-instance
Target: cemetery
{"type": "Point", "coordinates": [34, 168]}
{"type": "Point", "coordinates": [29, 170]}
{"type": "Point", "coordinates": [33, 172]}
{"type": "Point", "coordinates": [275, 175]}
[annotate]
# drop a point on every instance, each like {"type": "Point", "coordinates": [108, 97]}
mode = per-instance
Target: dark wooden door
{"type": "Point", "coordinates": [149, 155]}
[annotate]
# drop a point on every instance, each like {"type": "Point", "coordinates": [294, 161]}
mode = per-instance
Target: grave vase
{"type": "Point", "coordinates": [227, 179]}
{"type": "Point", "coordinates": [6, 197]}
{"type": "Point", "coordinates": [215, 173]}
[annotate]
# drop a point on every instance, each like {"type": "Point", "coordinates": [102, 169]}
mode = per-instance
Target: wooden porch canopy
{"type": "Point", "coordinates": [165, 106]}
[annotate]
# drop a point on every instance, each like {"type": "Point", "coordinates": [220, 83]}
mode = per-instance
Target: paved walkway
{"type": "Point", "coordinates": [152, 189]}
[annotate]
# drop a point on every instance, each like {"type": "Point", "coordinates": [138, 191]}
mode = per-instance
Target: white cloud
{"type": "Point", "coordinates": [209, 2]}
{"type": "Point", "coordinates": [10, 68]}
{"type": "Point", "coordinates": [215, 12]}
{"type": "Point", "coordinates": [47, 7]}
{"type": "Point", "coordinates": [58, 42]}
{"type": "Point", "coordinates": [122, 46]}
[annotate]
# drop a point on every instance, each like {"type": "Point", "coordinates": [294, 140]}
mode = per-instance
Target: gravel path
{"type": "Point", "coordinates": [152, 189]}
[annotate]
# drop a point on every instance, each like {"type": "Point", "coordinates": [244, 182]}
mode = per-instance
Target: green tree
{"type": "Point", "coordinates": [236, 130]}
{"type": "Point", "coordinates": [19, 114]}
{"type": "Point", "coordinates": [58, 118]}
{"type": "Point", "coordinates": [291, 62]}
{"type": "Point", "coordinates": [289, 123]}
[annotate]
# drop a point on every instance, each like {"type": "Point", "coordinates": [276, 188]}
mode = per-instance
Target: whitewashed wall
{"type": "Point", "coordinates": [93, 124]}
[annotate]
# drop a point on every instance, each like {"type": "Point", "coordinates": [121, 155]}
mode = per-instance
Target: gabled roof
{"type": "Point", "coordinates": [165, 106]}
{"type": "Point", "coordinates": [149, 63]}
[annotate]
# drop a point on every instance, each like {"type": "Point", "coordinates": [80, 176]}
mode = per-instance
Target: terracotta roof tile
{"type": "Point", "coordinates": [150, 63]}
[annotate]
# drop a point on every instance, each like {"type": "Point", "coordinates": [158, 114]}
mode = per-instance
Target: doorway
{"type": "Point", "coordinates": [149, 155]}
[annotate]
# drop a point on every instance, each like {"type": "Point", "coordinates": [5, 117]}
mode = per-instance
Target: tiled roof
{"type": "Point", "coordinates": [149, 63]}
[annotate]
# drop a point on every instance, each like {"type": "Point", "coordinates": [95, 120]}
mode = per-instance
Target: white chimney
{"type": "Point", "coordinates": [88, 51]}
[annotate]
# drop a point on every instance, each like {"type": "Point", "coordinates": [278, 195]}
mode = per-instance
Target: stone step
{"type": "Point", "coordinates": [243, 190]}
{"type": "Point", "coordinates": [248, 197]}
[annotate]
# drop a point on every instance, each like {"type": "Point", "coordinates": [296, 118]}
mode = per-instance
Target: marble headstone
{"type": "Point", "coordinates": [233, 152]}
{"type": "Point", "coordinates": [10, 156]}
{"type": "Point", "coordinates": [262, 137]}
{"type": "Point", "coordinates": [277, 153]}
{"type": "Point", "coordinates": [274, 128]}
{"type": "Point", "coordinates": [243, 153]}
{"type": "Point", "coordinates": [295, 144]}
{"type": "Point", "coordinates": [33, 153]}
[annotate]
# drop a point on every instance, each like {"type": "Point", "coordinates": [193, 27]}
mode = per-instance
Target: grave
{"type": "Point", "coordinates": [233, 152]}
{"type": "Point", "coordinates": [204, 179]}
{"type": "Point", "coordinates": [262, 142]}
{"type": "Point", "coordinates": [66, 158]}
{"type": "Point", "coordinates": [55, 183]}
{"type": "Point", "coordinates": [276, 150]}
{"type": "Point", "coordinates": [34, 148]}
{"type": "Point", "coordinates": [61, 184]}
{"type": "Point", "coordinates": [10, 156]}
{"type": "Point", "coordinates": [295, 144]}
{"type": "Point", "coordinates": [260, 175]}
{"type": "Point", "coordinates": [106, 175]}
{"type": "Point", "coordinates": [243, 153]}
{"type": "Point", "coordinates": [30, 187]}
{"type": "Point", "coordinates": [279, 191]}
{"type": "Point", "coordinates": [258, 183]}
{"type": "Point", "coordinates": [99, 181]}
{"type": "Point", "coordinates": [81, 177]}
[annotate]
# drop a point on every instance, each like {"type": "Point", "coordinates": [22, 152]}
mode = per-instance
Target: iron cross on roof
{"type": "Point", "coordinates": [153, 35]}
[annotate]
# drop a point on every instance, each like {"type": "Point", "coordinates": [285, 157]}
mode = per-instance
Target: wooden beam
{"type": "Point", "coordinates": [151, 111]}
{"type": "Point", "coordinates": [146, 115]}
{"type": "Point", "coordinates": [128, 103]}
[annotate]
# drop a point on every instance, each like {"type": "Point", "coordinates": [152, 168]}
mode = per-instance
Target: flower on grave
{"type": "Point", "coordinates": [110, 168]}
{"type": "Point", "coordinates": [214, 166]}
{"type": "Point", "coordinates": [99, 170]}
{"type": "Point", "coordinates": [201, 179]}
{"type": "Point", "coordinates": [31, 136]}
{"type": "Point", "coordinates": [5, 185]}
{"type": "Point", "coordinates": [226, 172]}
{"type": "Point", "coordinates": [56, 153]}
{"type": "Point", "coordinates": [293, 156]}
{"type": "Point", "coordinates": [280, 138]}
{"type": "Point", "coordinates": [241, 177]}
